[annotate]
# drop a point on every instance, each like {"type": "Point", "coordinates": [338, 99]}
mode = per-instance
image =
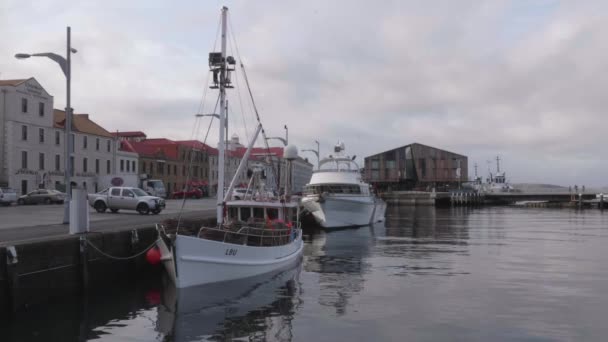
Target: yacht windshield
{"type": "Point", "coordinates": [332, 189]}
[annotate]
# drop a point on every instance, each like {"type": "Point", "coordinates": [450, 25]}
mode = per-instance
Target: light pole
{"type": "Point", "coordinates": [317, 153]}
{"type": "Point", "coordinates": [66, 67]}
{"type": "Point", "coordinates": [283, 140]}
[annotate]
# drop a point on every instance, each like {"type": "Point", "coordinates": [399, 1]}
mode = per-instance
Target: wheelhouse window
{"type": "Point", "coordinates": [272, 213]}
{"type": "Point", "coordinates": [233, 212]}
{"type": "Point", "coordinates": [258, 213]}
{"type": "Point", "coordinates": [245, 214]}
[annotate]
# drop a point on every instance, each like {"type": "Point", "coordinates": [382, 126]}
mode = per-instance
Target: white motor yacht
{"type": "Point", "coordinates": [338, 197]}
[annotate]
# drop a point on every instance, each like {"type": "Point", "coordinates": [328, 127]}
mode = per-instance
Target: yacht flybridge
{"type": "Point", "coordinates": [254, 235]}
{"type": "Point", "coordinates": [338, 197]}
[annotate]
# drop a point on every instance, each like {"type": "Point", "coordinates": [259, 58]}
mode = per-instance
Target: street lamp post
{"type": "Point", "coordinates": [285, 140]}
{"type": "Point", "coordinates": [317, 153]}
{"type": "Point", "coordinates": [66, 67]}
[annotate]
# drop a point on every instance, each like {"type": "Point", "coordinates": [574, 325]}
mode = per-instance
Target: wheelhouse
{"type": "Point", "coordinates": [252, 212]}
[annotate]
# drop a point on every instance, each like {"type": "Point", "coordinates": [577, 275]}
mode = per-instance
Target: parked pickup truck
{"type": "Point", "coordinates": [7, 196]}
{"type": "Point", "coordinates": [128, 198]}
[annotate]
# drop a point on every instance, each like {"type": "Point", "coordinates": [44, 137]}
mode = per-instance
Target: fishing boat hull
{"type": "Point", "coordinates": [339, 212]}
{"type": "Point", "coordinates": [196, 261]}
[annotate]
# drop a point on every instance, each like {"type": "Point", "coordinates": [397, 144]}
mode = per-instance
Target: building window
{"type": "Point", "coordinates": [168, 169]}
{"type": "Point", "coordinates": [109, 146]}
{"type": "Point", "coordinates": [128, 166]}
{"type": "Point", "coordinates": [23, 187]}
{"type": "Point", "coordinates": [183, 170]}
{"type": "Point", "coordinates": [96, 144]}
{"type": "Point", "coordinates": [97, 166]}
{"type": "Point", "coordinates": [24, 132]}
{"type": "Point", "coordinates": [72, 143]}
{"type": "Point", "coordinates": [160, 168]}
{"type": "Point", "coordinates": [24, 159]}
{"type": "Point", "coordinates": [122, 165]}
{"type": "Point", "coordinates": [71, 166]}
{"type": "Point", "coordinates": [41, 135]}
{"type": "Point", "coordinates": [84, 142]}
{"type": "Point", "coordinates": [24, 105]}
{"type": "Point", "coordinates": [84, 165]}
{"type": "Point", "coordinates": [41, 109]}
{"type": "Point", "coordinates": [133, 166]}
{"type": "Point", "coordinates": [57, 138]}
{"type": "Point", "coordinates": [143, 167]}
{"type": "Point", "coordinates": [175, 169]}
{"type": "Point", "coordinates": [41, 161]}
{"type": "Point", "coordinates": [57, 162]}
{"type": "Point", "coordinates": [108, 167]}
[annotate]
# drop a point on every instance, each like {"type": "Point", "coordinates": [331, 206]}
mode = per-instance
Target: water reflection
{"type": "Point", "coordinates": [90, 317]}
{"type": "Point", "coordinates": [339, 257]}
{"type": "Point", "coordinates": [422, 240]}
{"type": "Point", "coordinates": [259, 308]}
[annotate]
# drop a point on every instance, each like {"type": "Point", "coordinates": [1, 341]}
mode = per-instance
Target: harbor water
{"type": "Point", "coordinates": [426, 274]}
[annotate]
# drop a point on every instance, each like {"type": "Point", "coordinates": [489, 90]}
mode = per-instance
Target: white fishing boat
{"type": "Point", "coordinates": [253, 236]}
{"type": "Point", "coordinates": [338, 197]}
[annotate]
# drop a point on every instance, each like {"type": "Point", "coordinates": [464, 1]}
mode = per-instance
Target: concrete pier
{"type": "Point", "coordinates": [41, 264]}
{"type": "Point", "coordinates": [415, 198]}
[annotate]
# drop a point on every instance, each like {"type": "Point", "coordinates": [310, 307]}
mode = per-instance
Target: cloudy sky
{"type": "Point", "coordinates": [521, 79]}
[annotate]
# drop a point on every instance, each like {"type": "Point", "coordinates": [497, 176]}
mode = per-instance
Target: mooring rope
{"type": "Point", "coordinates": [121, 258]}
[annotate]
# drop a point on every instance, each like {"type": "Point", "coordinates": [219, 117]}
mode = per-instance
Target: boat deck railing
{"type": "Point", "coordinates": [257, 234]}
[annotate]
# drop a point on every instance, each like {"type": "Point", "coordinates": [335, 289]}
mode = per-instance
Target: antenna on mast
{"type": "Point", "coordinates": [497, 164]}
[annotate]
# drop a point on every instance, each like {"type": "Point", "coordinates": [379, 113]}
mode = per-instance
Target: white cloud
{"type": "Point", "coordinates": [523, 80]}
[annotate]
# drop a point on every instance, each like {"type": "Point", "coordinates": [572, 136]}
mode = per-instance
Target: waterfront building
{"type": "Point", "coordinates": [32, 138]}
{"type": "Point", "coordinates": [416, 166]}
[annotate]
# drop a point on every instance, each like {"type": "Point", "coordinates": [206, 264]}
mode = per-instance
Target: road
{"type": "Point", "coordinates": [29, 222]}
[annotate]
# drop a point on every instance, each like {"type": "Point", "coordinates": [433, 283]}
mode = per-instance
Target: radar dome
{"type": "Point", "coordinates": [290, 152]}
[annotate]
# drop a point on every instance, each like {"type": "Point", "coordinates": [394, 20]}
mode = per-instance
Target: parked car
{"type": "Point", "coordinates": [7, 196]}
{"type": "Point", "coordinates": [129, 198]}
{"type": "Point", "coordinates": [239, 194]}
{"type": "Point", "coordinates": [42, 196]}
{"type": "Point", "coordinates": [192, 193]}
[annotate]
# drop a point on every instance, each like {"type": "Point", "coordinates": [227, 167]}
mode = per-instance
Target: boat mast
{"type": "Point", "coordinates": [221, 146]}
{"type": "Point", "coordinates": [497, 164]}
